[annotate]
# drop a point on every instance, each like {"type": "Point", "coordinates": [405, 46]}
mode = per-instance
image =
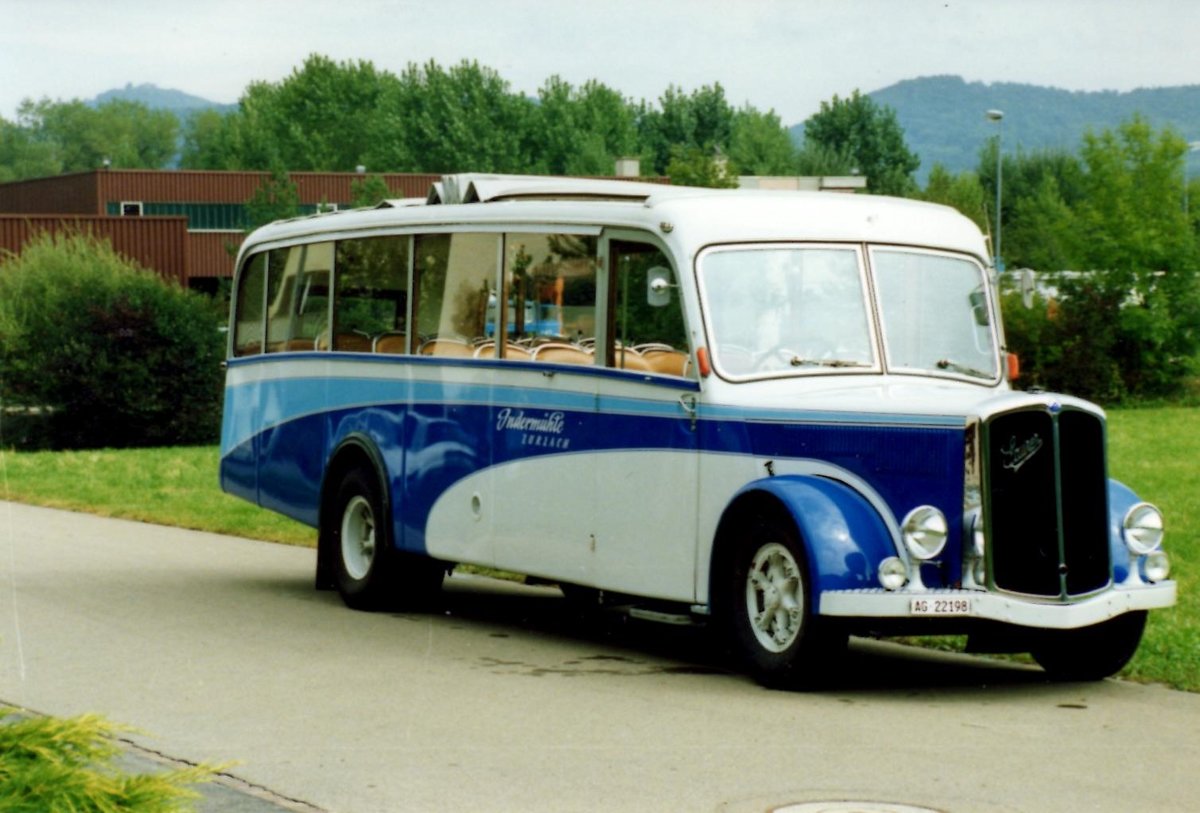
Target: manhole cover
{"type": "Point", "coordinates": [851, 807]}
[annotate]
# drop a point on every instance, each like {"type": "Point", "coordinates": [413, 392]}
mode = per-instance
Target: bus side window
{"type": "Point", "coordinates": [370, 294]}
{"type": "Point", "coordinates": [456, 279]}
{"type": "Point", "coordinates": [549, 294]}
{"type": "Point", "coordinates": [298, 292]}
{"type": "Point", "coordinates": [249, 305]}
{"type": "Point", "coordinates": [648, 336]}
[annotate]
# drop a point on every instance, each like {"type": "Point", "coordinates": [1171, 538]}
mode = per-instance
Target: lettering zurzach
{"type": "Point", "coordinates": [544, 431]}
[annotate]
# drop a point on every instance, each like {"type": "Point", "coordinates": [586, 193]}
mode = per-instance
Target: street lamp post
{"type": "Point", "coordinates": [998, 117]}
{"type": "Point", "coordinates": [1193, 146]}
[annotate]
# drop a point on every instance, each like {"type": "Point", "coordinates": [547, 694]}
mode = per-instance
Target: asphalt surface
{"type": "Point", "coordinates": [503, 699]}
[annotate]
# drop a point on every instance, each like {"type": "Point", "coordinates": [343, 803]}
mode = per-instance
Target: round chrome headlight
{"type": "Point", "coordinates": [1143, 529]}
{"type": "Point", "coordinates": [924, 531]}
{"type": "Point", "coordinates": [1156, 567]}
{"type": "Point", "coordinates": [893, 573]}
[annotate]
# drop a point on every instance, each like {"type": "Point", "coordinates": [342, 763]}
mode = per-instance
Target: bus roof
{"type": "Point", "coordinates": [687, 217]}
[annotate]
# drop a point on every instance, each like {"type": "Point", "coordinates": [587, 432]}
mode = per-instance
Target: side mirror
{"type": "Point", "coordinates": [1028, 286]}
{"type": "Point", "coordinates": [658, 287]}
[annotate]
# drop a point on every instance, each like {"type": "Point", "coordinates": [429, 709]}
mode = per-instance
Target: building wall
{"type": "Point", "coordinates": [65, 194]}
{"type": "Point", "coordinates": [190, 186]}
{"type": "Point", "coordinates": [210, 255]}
{"type": "Point", "coordinates": [157, 243]}
{"type": "Point", "coordinates": [211, 204]}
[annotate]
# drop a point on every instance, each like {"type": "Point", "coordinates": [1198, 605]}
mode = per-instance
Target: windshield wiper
{"type": "Point", "coordinates": [955, 367]}
{"type": "Point", "coordinates": [797, 361]}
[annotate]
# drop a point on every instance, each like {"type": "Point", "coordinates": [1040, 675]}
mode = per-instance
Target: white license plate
{"type": "Point", "coordinates": [939, 606]}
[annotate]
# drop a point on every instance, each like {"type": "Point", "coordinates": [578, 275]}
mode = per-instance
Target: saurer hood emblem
{"type": "Point", "coordinates": [1015, 455]}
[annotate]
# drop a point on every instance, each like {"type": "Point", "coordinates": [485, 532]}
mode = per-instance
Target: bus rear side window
{"type": "Point", "coordinates": [298, 316]}
{"type": "Point", "coordinates": [371, 295]}
{"type": "Point", "coordinates": [549, 295]}
{"type": "Point", "coordinates": [456, 279]}
{"type": "Point", "coordinates": [249, 307]}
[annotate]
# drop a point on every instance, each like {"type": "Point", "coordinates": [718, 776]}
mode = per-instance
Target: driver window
{"type": "Point", "coordinates": [647, 336]}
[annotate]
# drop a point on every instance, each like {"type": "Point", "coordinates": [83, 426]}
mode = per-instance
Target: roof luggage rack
{"type": "Point", "coordinates": [477, 188]}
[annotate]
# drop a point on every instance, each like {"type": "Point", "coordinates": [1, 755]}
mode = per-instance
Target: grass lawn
{"type": "Point", "coordinates": [1154, 451]}
{"type": "Point", "coordinates": [173, 486]}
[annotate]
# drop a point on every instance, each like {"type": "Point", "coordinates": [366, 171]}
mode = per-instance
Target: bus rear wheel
{"type": "Point", "coordinates": [369, 573]}
{"type": "Point", "coordinates": [768, 609]}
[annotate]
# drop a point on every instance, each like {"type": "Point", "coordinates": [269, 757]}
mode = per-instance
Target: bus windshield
{"type": "Point", "coordinates": [776, 310]}
{"type": "Point", "coordinates": [934, 311]}
{"type": "Point", "coordinates": [782, 310]}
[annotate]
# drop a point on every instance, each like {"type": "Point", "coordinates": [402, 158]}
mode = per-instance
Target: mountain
{"type": "Point", "coordinates": [157, 98]}
{"type": "Point", "coordinates": [944, 123]}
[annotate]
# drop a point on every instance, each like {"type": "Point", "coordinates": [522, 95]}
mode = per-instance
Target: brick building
{"type": "Point", "coordinates": [184, 224]}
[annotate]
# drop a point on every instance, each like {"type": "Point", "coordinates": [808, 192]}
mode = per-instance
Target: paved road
{"type": "Point", "coordinates": [503, 700]}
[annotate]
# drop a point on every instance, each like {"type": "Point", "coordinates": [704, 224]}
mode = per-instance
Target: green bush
{"type": "Point", "coordinates": [1110, 342]}
{"type": "Point", "coordinates": [111, 354]}
{"type": "Point", "coordinates": [51, 765]}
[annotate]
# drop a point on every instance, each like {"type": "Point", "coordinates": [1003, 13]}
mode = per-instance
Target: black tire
{"type": "Point", "coordinates": [767, 609]}
{"type": "Point", "coordinates": [369, 573]}
{"type": "Point", "coordinates": [584, 599]}
{"type": "Point", "coordinates": [1090, 653]}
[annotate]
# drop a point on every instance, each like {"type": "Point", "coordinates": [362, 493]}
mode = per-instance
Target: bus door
{"type": "Point", "coordinates": [646, 468]}
{"type": "Point", "coordinates": [544, 409]}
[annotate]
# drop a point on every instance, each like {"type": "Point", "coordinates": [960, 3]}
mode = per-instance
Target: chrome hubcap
{"type": "Point", "coordinates": [358, 537]}
{"type": "Point", "coordinates": [775, 597]}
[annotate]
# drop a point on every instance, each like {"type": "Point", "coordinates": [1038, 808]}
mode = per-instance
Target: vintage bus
{"type": "Point", "coordinates": [787, 415]}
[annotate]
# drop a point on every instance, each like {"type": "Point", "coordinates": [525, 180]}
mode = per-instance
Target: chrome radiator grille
{"type": "Point", "coordinates": [1046, 502]}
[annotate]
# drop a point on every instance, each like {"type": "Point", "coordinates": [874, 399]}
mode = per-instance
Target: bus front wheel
{"type": "Point", "coordinates": [768, 609]}
{"type": "Point", "coordinates": [1090, 653]}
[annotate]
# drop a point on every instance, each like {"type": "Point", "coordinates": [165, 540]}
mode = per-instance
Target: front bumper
{"type": "Point", "coordinates": [1003, 608]}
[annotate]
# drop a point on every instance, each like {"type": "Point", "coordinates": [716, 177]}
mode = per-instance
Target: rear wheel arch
{"type": "Point", "coordinates": [354, 453]}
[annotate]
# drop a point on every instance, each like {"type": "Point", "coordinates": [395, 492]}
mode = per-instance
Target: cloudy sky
{"type": "Point", "coordinates": [785, 55]}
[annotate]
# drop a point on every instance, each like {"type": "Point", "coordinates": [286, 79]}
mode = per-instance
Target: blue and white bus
{"type": "Point", "coordinates": [785, 414]}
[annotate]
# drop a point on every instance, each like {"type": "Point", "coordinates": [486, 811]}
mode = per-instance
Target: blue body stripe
{"type": "Point", "coordinates": [433, 433]}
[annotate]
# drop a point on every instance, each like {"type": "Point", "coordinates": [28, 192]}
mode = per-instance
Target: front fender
{"type": "Point", "coordinates": [843, 535]}
{"type": "Point", "coordinates": [1120, 499]}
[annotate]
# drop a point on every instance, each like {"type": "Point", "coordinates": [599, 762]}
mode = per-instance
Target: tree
{"type": "Point", "coordinates": [208, 142]}
{"type": "Point", "coordinates": [1132, 226]}
{"type": "Point", "coordinates": [276, 198]}
{"type": "Point", "coordinates": [461, 119]}
{"type": "Point", "coordinates": [580, 131]}
{"type": "Point", "coordinates": [1126, 321]}
{"type": "Point", "coordinates": [320, 118]}
{"type": "Point", "coordinates": [1039, 187]}
{"type": "Point", "coordinates": [759, 144]}
{"type": "Point", "coordinates": [702, 120]}
{"type": "Point", "coordinates": [817, 159]}
{"type": "Point", "coordinates": [693, 166]}
{"type": "Point", "coordinates": [962, 191]}
{"type": "Point", "coordinates": [369, 191]}
{"type": "Point", "coordinates": [872, 136]}
{"type": "Point", "coordinates": [23, 156]}
{"type": "Point", "coordinates": [54, 137]}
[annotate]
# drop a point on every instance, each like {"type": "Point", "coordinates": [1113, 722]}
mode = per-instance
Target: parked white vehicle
{"type": "Point", "coordinates": [787, 414]}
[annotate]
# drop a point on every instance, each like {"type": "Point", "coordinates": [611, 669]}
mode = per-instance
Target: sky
{"type": "Point", "coordinates": [780, 55]}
